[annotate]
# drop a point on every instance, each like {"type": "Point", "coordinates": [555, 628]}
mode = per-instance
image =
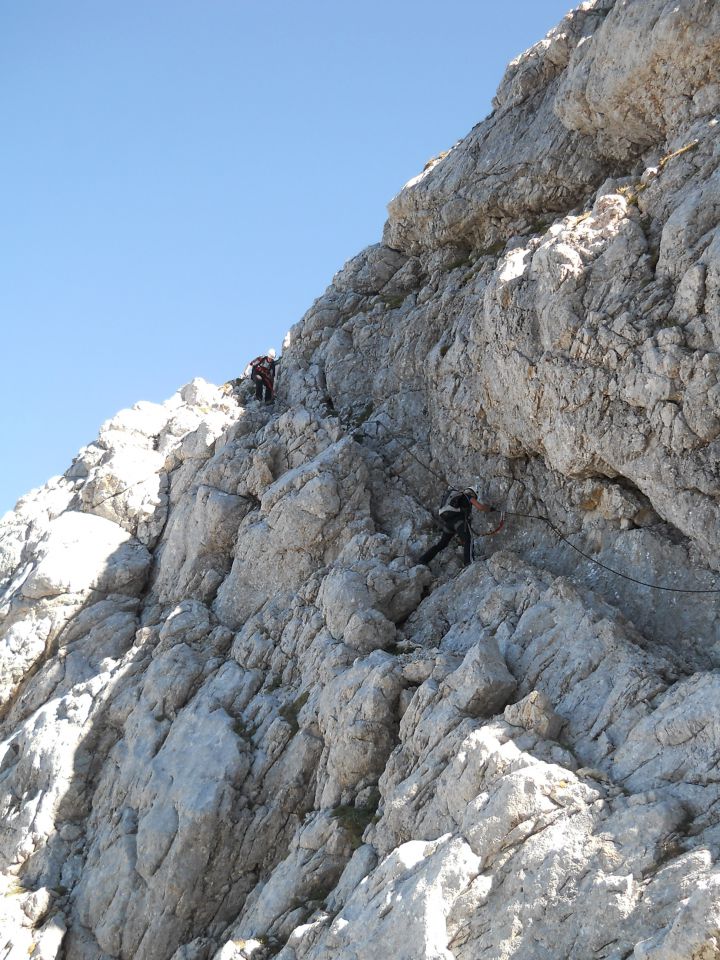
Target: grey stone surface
{"type": "Point", "coordinates": [239, 720]}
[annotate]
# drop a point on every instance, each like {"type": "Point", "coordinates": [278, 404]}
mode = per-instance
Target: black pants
{"type": "Point", "coordinates": [261, 385]}
{"type": "Point", "coordinates": [453, 528]}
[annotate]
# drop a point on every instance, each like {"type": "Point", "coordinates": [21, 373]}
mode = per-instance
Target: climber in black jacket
{"type": "Point", "coordinates": [454, 512]}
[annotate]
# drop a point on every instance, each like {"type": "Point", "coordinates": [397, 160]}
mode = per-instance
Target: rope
{"type": "Point", "coordinates": [419, 498]}
{"type": "Point", "coordinates": [599, 563]}
{"type": "Point", "coordinates": [395, 437]}
{"type": "Point", "coordinates": [558, 534]}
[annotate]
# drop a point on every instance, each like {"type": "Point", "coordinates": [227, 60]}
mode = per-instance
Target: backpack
{"type": "Point", "coordinates": [264, 367]}
{"type": "Point", "coordinates": [449, 505]}
{"type": "Point", "coordinates": [262, 364]}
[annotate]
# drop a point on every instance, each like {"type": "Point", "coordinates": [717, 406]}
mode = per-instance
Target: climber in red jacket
{"type": "Point", "coordinates": [261, 371]}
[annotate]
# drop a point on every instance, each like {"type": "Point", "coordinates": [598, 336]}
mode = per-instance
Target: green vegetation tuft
{"type": "Point", "coordinates": [241, 729]}
{"type": "Point", "coordinates": [355, 820]}
{"type": "Point", "coordinates": [392, 303]}
{"type": "Point", "coordinates": [540, 225]}
{"type": "Point", "coordinates": [15, 888]}
{"type": "Point", "coordinates": [465, 260]}
{"type": "Point", "coordinates": [271, 945]}
{"type": "Point", "coordinates": [319, 894]}
{"type": "Point", "coordinates": [434, 160]}
{"type": "Point", "coordinates": [693, 145]}
{"type": "Point", "coordinates": [631, 194]}
{"type": "Point", "coordinates": [494, 250]}
{"type": "Point", "coordinates": [394, 649]}
{"type": "Point", "coordinates": [360, 418]}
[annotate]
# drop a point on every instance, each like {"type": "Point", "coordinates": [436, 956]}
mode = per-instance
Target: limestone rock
{"type": "Point", "coordinates": [534, 712]}
{"type": "Point", "coordinates": [237, 718]}
{"type": "Point", "coordinates": [84, 552]}
{"type": "Point", "coordinates": [482, 684]}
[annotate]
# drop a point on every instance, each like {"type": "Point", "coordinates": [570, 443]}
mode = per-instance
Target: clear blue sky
{"type": "Point", "coordinates": [181, 178]}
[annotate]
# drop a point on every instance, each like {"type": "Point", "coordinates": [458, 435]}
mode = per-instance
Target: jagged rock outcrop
{"type": "Point", "coordinates": [240, 720]}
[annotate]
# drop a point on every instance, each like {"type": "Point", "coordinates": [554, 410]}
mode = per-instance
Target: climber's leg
{"type": "Point", "coordinates": [440, 545]}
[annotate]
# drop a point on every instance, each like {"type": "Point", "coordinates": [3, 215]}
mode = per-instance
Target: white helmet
{"type": "Point", "coordinates": [271, 353]}
{"type": "Point", "coordinates": [475, 488]}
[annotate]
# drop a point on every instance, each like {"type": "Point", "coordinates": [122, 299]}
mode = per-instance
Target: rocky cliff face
{"type": "Point", "coordinates": [240, 720]}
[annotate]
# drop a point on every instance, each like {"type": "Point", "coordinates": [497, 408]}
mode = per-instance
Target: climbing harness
{"type": "Point", "coordinates": [448, 510]}
{"type": "Point", "coordinates": [446, 506]}
{"type": "Point", "coordinates": [263, 365]}
{"type": "Point", "coordinates": [363, 431]}
{"type": "Point", "coordinates": [508, 513]}
{"type": "Point", "coordinates": [439, 515]}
